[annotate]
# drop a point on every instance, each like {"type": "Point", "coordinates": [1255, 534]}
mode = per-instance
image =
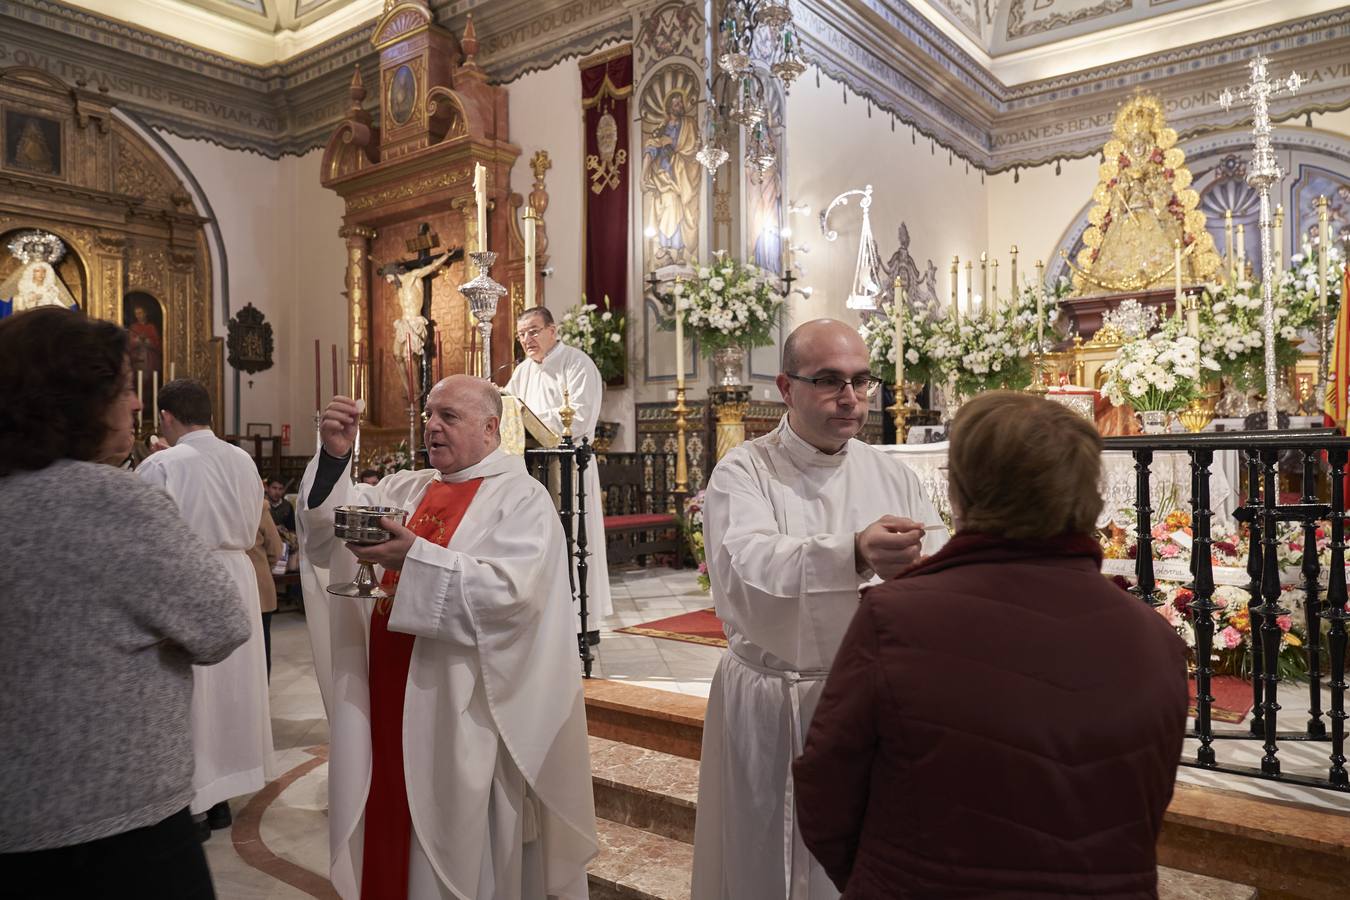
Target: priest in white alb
{"type": "Point", "coordinates": [551, 367]}
{"type": "Point", "coordinates": [795, 523]}
{"type": "Point", "coordinates": [218, 492]}
{"type": "Point", "coordinates": [458, 765]}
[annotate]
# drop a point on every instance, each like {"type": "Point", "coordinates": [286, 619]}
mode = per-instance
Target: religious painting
{"type": "Point", "coordinates": [32, 143]}
{"type": "Point", "coordinates": [672, 178]}
{"type": "Point", "coordinates": [1314, 182]}
{"type": "Point", "coordinates": [143, 317]}
{"type": "Point", "coordinates": [402, 94]}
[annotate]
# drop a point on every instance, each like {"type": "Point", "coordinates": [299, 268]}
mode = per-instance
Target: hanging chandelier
{"type": "Point", "coordinates": [758, 42]}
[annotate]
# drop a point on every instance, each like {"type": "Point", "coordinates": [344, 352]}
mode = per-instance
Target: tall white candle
{"type": "Point", "coordinates": [173, 371]}
{"type": "Point", "coordinates": [984, 282]}
{"type": "Point", "coordinates": [140, 395]}
{"type": "Point", "coordinates": [679, 344]}
{"type": "Point", "coordinates": [1241, 252]}
{"type": "Point", "coordinates": [480, 201]}
{"type": "Point", "coordinates": [1176, 264]}
{"type": "Point", "coordinates": [897, 313]}
{"type": "Point", "coordinates": [1279, 240]}
{"type": "Point", "coordinates": [1040, 306]}
{"type": "Point", "coordinates": [1193, 320]}
{"type": "Point", "coordinates": [530, 262]}
{"type": "Point", "coordinates": [154, 399]}
{"type": "Point", "coordinates": [1323, 245]}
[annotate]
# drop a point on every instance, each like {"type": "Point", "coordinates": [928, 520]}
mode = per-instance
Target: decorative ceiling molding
{"type": "Point", "coordinates": [905, 64]}
{"type": "Point", "coordinates": [282, 109]}
{"type": "Point", "coordinates": [887, 51]}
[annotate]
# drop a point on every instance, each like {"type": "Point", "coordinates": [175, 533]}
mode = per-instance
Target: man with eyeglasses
{"type": "Point", "coordinates": [551, 367]}
{"type": "Point", "coordinates": [796, 522]}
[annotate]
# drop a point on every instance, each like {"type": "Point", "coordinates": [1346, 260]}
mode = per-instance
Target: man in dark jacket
{"type": "Point", "coordinates": [1000, 720]}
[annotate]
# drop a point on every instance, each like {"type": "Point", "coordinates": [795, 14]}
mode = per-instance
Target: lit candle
{"type": "Point", "coordinates": [1012, 277]}
{"type": "Point", "coordinates": [993, 288]}
{"type": "Point", "coordinates": [897, 313]}
{"type": "Point", "coordinates": [335, 381]}
{"type": "Point", "coordinates": [530, 262]}
{"type": "Point", "coordinates": [1323, 244]}
{"type": "Point", "coordinates": [154, 399]}
{"type": "Point", "coordinates": [956, 287]}
{"type": "Point", "coordinates": [480, 201]}
{"type": "Point", "coordinates": [173, 371]}
{"type": "Point", "coordinates": [1040, 306]}
{"type": "Point", "coordinates": [1279, 241]}
{"type": "Point", "coordinates": [1176, 264]}
{"type": "Point", "coordinates": [679, 343]}
{"type": "Point", "coordinates": [318, 400]}
{"type": "Point", "coordinates": [984, 281]}
{"type": "Point", "coordinates": [970, 288]}
{"type": "Point", "coordinates": [1228, 244]}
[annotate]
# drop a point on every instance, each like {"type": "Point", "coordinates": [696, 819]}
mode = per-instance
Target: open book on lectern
{"type": "Point", "coordinates": [521, 428]}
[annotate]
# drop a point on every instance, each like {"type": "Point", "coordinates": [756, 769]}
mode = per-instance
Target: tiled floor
{"type": "Point", "coordinates": [280, 854]}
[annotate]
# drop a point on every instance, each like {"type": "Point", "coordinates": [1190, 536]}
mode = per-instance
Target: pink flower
{"type": "Point", "coordinates": [703, 568]}
{"type": "Point", "coordinates": [1169, 612]}
{"type": "Point", "coordinates": [1167, 551]}
{"type": "Point", "coordinates": [1285, 622]}
{"type": "Point", "coordinates": [1231, 637]}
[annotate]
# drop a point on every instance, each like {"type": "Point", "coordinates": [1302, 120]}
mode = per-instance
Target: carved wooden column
{"type": "Point", "coordinates": [105, 296]}
{"type": "Point", "coordinates": [358, 239]}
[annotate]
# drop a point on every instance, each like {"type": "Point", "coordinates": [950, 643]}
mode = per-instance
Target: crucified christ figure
{"type": "Point", "coordinates": [410, 331]}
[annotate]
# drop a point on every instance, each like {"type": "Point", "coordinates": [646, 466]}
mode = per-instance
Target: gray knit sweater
{"type": "Point", "coordinates": [107, 598]}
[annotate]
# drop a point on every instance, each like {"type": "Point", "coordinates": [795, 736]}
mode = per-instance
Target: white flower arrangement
{"type": "Point", "coordinates": [597, 333]}
{"type": "Point", "coordinates": [878, 333]}
{"type": "Point", "coordinates": [729, 304]}
{"type": "Point", "coordinates": [1162, 372]}
{"type": "Point", "coordinates": [991, 351]}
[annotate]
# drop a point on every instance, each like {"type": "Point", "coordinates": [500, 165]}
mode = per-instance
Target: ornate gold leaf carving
{"type": "Point", "coordinates": [409, 189]}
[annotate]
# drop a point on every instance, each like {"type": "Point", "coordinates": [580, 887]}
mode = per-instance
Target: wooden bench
{"type": "Point", "coordinates": [634, 528]}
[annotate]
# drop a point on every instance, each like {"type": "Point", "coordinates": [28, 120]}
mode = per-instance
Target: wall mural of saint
{"type": "Point", "coordinates": [672, 179]}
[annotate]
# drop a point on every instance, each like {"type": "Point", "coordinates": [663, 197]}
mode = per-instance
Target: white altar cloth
{"type": "Point", "coordinates": [1170, 484]}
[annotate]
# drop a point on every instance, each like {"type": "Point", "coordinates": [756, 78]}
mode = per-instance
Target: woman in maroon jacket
{"type": "Point", "coordinates": [1000, 720]}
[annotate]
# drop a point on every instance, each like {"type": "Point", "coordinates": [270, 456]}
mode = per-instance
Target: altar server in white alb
{"type": "Point", "coordinates": [218, 492]}
{"type": "Point", "coordinates": [458, 765]}
{"type": "Point", "coordinates": [550, 367]}
{"type": "Point", "coordinates": [796, 522]}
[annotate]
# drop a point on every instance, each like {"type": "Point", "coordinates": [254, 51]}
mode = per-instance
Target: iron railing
{"type": "Point", "coordinates": [1323, 600]}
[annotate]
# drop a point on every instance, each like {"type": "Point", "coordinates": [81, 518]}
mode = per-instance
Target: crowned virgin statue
{"type": "Point", "coordinates": [36, 282]}
{"type": "Point", "coordinates": [1143, 206]}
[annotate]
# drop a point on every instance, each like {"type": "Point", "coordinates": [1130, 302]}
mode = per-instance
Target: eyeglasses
{"type": "Point", "coordinates": [863, 385]}
{"type": "Point", "coordinates": [524, 336]}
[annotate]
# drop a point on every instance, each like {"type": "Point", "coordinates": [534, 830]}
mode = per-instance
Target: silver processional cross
{"type": "Point", "coordinates": [1264, 172]}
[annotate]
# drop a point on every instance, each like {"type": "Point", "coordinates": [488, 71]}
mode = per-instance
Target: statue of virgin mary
{"type": "Point", "coordinates": [36, 283]}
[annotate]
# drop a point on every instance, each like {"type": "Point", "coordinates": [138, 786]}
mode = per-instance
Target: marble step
{"type": "Point", "coordinates": [644, 788]}
{"type": "Point", "coordinates": [637, 865]}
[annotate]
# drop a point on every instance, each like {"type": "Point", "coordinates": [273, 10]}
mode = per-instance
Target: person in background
{"type": "Point", "coordinates": [283, 512]}
{"type": "Point", "coordinates": [264, 553]}
{"type": "Point", "coordinates": [215, 485]}
{"type": "Point", "coordinates": [369, 476]}
{"type": "Point", "coordinates": [977, 736]}
{"type": "Point", "coordinates": [118, 601]}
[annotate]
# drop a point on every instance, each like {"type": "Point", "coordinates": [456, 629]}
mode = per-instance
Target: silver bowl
{"type": "Point", "coordinates": [361, 525]}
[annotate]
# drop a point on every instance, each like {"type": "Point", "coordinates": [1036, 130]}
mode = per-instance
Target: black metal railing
{"type": "Point", "coordinates": [570, 462]}
{"type": "Point", "coordinates": [1320, 451]}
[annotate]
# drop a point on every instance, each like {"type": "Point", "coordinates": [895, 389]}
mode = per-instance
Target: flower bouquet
{"type": "Point", "coordinates": [994, 350]}
{"type": "Point", "coordinates": [728, 304]}
{"type": "Point", "coordinates": [1234, 333]}
{"type": "Point", "coordinates": [693, 531]}
{"type": "Point", "coordinates": [1158, 374]}
{"type": "Point", "coordinates": [878, 333]}
{"type": "Point", "coordinates": [597, 333]}
{"type": "Point", "coordinates": [391, 461]}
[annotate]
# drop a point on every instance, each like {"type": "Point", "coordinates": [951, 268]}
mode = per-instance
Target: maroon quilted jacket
{"type": "Point", "coordinates": [1000, 720]}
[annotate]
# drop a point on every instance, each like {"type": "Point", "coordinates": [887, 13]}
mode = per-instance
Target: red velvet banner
{"type": "Point", "coordinates": [606, 85]}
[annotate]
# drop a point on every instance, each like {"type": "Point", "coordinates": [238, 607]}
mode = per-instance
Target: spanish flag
{"type": "Point", "coordinates": [1338, 366]}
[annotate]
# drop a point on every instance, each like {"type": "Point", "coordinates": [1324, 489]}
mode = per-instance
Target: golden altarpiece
{"type": "Point", "coordinates": [439, 117]}
{"type": "Point", "coordinates": [135, 247]}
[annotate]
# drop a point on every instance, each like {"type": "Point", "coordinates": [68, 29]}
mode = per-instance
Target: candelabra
{"type": "Point", "coordinates": [681, 426]}
{"type": "Point", "coordinates": [1262, 173]}
{"type": "Point", "coordinates": [483, 293]}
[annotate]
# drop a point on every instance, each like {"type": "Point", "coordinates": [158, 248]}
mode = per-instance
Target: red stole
{"type": "Point", "coordinates": [388, 829]}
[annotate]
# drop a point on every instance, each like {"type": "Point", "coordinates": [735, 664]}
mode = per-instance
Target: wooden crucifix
{"type": "Point", "coordinates": [415, 330]}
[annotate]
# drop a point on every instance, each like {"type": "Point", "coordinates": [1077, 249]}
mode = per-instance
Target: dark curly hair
{"type": "Point", "coordinates": [60, 372]}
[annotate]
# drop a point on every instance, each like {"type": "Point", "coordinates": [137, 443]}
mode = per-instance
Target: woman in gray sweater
{"type": "Point", "coordinates": [109, 600]}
